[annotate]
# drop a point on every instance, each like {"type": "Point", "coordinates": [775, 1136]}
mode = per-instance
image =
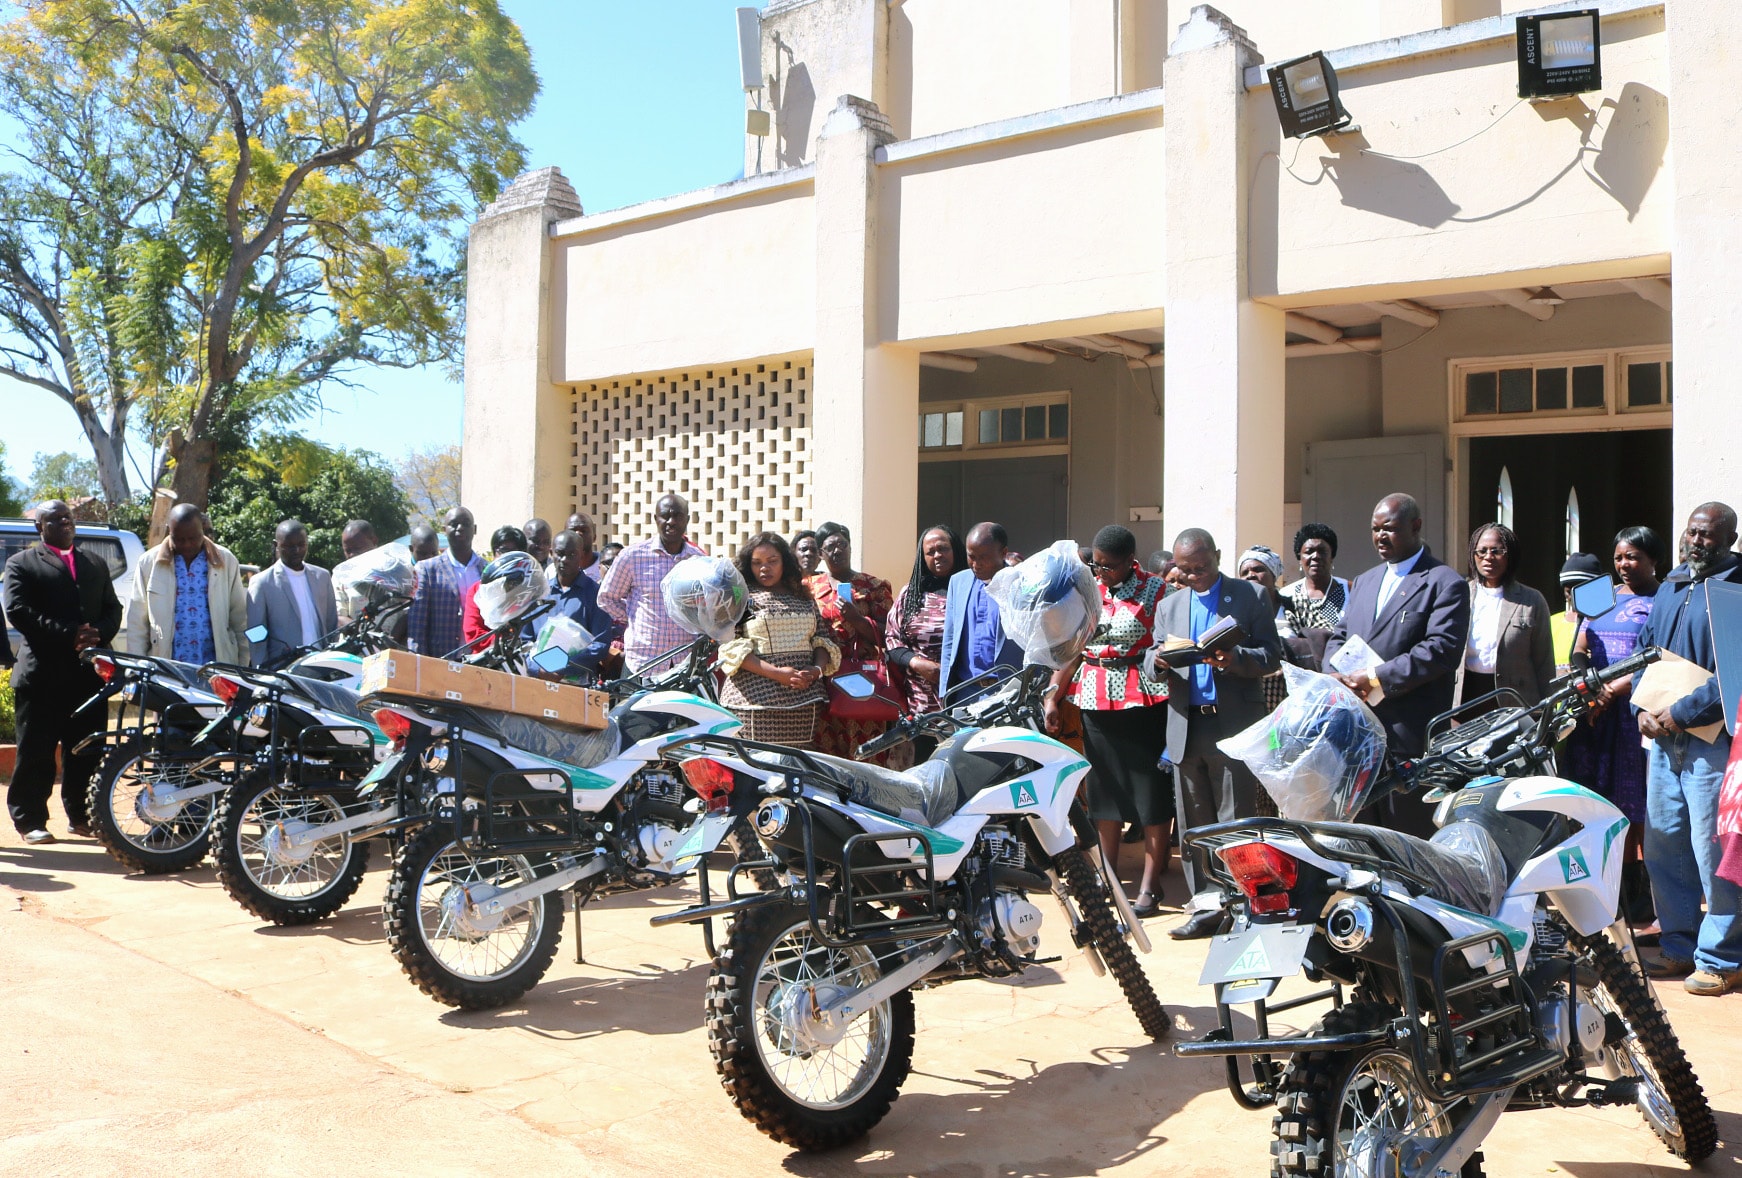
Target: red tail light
{"type": "Point", "coordinates": [1264, 873]}
{"type": "Point", "coordinates": [395, 726]}
{"type": "Point", "coordinates": [226, 688]}
{"type": "Point", "coordinates": [105, 668]}
{"type": "Point", "coordinates": [711, 780]}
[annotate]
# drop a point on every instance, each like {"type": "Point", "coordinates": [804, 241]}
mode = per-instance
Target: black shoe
{"type": "Point", "coordinates": [1144, 909]}
{"type": "Point", "coordinates": [1201, 925]}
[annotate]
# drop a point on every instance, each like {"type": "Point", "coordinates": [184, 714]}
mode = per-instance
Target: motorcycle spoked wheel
{"type": "Point", "coordinates": [454, 957]}
{"type": "Point", "coordinates": [798, 1091]}
{"type": "Point", "coordinates": [1338, 1113]}
{"type": "Point", "coordinates": [1095, 907]}
{"type": "Point", "coordinates": [1670, 1096]}
{"type": "Point", "coordinates": [115, 800]}
{"type": "Point", "coordinates": [267, 878]}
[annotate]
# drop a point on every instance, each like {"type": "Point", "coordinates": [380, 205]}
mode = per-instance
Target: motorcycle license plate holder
{"type": "Point", "coordinates": [383, 768]}
{"type": "Point", "coordinates": [1239, 962]}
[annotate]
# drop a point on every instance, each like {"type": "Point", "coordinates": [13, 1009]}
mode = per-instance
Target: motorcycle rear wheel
{"type": "Point", "coordinates": [448, 954]}
{"type": "Point", "coordinates": [1337, 1111]}
{"type": "Point", "coordinates": [1670, 1096]}
{"type": "Point", "coordinates": [280, 886]}
{"type": "Point", "coordinates": [807, 1095]}
{"type": "Point", "coordinates": [1096, 907]}
{"type": "Point", "coordinates": [132, 837]}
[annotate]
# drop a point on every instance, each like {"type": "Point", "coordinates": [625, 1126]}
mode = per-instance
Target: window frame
{"type": "Point", "coordinates": [1613, 414]}
{"type": "Point", "coordinates": [973, 448]}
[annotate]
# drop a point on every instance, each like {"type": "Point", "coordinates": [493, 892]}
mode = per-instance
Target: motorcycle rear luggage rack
{"type": "Point", "coordinates": [548, 821]}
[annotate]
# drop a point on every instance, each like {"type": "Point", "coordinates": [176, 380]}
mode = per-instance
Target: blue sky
{"type": "Point", "coordinates": [639, 100]}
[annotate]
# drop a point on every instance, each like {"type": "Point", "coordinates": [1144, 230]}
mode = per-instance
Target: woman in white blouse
{"type": "Point", "coordinates": [1509, 644]}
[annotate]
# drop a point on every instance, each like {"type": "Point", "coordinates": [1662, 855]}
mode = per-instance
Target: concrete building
{"type": "Point", "coordinates": [1053, 262]}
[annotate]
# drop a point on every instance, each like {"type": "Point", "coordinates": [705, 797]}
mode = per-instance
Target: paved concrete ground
{"type": "Point", "coordinates": [161, 1029]}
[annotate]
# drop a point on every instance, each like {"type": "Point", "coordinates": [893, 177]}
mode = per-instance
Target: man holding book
{"type": "Point", "coordinates": [1220, 642]}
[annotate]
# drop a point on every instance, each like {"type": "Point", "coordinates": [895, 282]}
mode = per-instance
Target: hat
{"type": "Point", "coordinates": [1580, 567]}
{"type": "Point", "coordinates": [1264, 556]}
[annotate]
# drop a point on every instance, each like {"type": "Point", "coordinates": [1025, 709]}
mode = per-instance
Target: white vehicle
{"type": "Point", "coordinates": [1489, 967]}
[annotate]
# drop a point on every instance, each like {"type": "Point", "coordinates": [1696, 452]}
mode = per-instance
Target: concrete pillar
{"type": "Point", "coordinates": [865, 395]}
{"type": "Point", "coordinates": [517, 441]}
{"type": "Point", "coordinates": [1223, 442]}
{"type": "Point", "coordinates": [1706, 247]}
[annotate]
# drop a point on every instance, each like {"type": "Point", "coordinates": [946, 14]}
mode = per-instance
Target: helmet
{"type": "Point", "coordinates": [378, 574]}
{"type": "Point", "coordinates": [705, 595]}
{"type": "Point", "coordinates": [511, 585]}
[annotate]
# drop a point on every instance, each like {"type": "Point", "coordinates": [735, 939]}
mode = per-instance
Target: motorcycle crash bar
{"type": "Point", "coordinates": [1286, 1045]}
{"type": "Point", "coordinates": [709, 911]}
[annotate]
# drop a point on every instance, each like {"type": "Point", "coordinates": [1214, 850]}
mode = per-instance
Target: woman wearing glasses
{"type": "Point", "coordinates": [1124, 712]}
{"type": "Point", "coordinates": [1509, 627]}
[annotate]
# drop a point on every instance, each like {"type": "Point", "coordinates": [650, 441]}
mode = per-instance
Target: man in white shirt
{"type": "Point", "coordinates": [291, 598]}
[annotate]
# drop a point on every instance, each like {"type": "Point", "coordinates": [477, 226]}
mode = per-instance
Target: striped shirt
{"type": "Point", "coordinates": [630, 593]}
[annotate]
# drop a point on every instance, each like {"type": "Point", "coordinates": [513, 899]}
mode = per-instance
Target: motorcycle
{"type": "Point", "coordinates": [896, 881]}
{"type": "Point", "coordinates": [1489, 967]}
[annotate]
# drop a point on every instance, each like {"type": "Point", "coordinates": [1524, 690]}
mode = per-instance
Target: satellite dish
{"type": "Point", "coordinates": [1503, 508]}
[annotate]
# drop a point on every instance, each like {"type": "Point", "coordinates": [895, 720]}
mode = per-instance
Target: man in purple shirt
{"type": "Point", "coordinates": [974, 640]}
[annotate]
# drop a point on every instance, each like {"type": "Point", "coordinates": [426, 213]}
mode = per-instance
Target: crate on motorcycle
{"type": "Point", "coordinates": [880, 899]}
{"type": "Point", "coordinates": [395, 672]}
{"type": "Point", "coordinates": [1500, 1045]}
{"type": "Point", "coordinates": [519, 811]}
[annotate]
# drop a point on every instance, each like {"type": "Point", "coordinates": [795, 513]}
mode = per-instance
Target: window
{"type": "Point", "coordinates": [940, 429]}
{"type": "Point", "coordinates": [1043, 419]}
{"type": "Point", "coordinates": [1560, 386]}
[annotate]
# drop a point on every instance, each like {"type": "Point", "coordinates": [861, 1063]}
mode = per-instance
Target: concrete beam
{"type": "Point", "coordinates": [1652, 290]}
{"type": "Point", "coordinates": [1129, 348]}
{"type": "Point", "coordinates": [1153, 360]}
{"type": "Point", "coordinates": [1341, 347]}
{"type": "Point", "coordinates": [1313, 329]}
{"type": "Point", "coordinates": [1521, 301]}
{"type": "Point", "coordinates": [1407, 311]}
{"type": "Point", "coordinates": [948, 361]}
{"type": "Point", "coordinates": [1027, 353]}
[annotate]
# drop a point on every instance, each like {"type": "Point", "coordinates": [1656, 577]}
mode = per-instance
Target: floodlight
{"type": "Point", "coordinates": [1305, 91]}
{"type": "Point", "coordinates": [1559, 53]}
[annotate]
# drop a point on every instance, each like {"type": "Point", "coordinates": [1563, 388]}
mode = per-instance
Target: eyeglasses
{"type": "Point", "coordinates": [1490, 553]}
{"type": "Point", "coordinates": [1107, 568]}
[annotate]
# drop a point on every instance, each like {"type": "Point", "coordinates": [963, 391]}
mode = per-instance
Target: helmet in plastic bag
{"type": "Point", "coordinates": [1048, 604]}
{"type": "Point", "coordinates": [378, 574]}
{"type": "Point", "coordinates": [1320, 754]}
{"type": "Point", "coordinates": [705, 595]}
{"type": "Point", "coordinates": [511, 585]}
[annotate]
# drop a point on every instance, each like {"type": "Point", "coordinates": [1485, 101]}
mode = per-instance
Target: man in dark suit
{"type": "Point", "coordinates": [1414, 612]}
{"type": "Point", "coordinates": [974, 640]}
{"type": "Point", "coordinates": [1213, 699]}
{"type": "Point", "coordinates": [62, 602]}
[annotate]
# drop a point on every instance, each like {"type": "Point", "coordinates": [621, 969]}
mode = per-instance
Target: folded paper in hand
{"type": "Point", "coordinates": [1667, 681]}
{"type": "Point", "coordinates": [1355, 657]}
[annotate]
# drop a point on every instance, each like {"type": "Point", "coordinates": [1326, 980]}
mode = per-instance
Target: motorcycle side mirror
{"type": "Point", "coordinates": [855, 685]}
{"type": "Point", "coordinates": [1595, 598]}
{"type": "Point", "coordinates": [552, 660]}
{"type": "Point", "coordinates": [256, 633]}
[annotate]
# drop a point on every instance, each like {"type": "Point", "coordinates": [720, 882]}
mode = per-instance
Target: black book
{"type": "Point", "coordinates": [1178, 652]}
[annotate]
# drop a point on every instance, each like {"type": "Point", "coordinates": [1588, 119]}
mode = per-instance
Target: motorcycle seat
{"type": "Point", "coordinates": [329, 697]}
{"type": "Point", "coordinates": [1461, 861]}
{"type": "Point", "coordinates": [926, 794]}
{"type": "Point", "coordinates": [581, 747]}
{"type": "Point", "coordinates": [186, 673]}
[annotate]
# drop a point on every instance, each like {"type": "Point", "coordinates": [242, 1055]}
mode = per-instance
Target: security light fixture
{"type": "Point", "coordinates": [1305, 91]}
{"type": "Point", "coordinates": [1559, 53]}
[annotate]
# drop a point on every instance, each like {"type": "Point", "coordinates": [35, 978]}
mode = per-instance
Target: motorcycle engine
{"type": "Point", "coordinates": [1011, 918]}
{"type": "Point", "coordinates": [1569, 1021]}
{"type": "Point", "coordinates": [658, 841]}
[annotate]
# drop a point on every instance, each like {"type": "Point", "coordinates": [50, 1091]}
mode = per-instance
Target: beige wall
{"type": "Point", "coordinates": [1289, 28]}
{"type": "Point", "coordinates": [814, 51]}
{"type": "Point", "coordinates": [1330, 398]}
{"type": "Point", "coordinates": [730, 280]}
{"type": "Point", "coordinates": [1580, 183]}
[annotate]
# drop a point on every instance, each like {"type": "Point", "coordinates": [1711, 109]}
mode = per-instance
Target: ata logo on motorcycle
{"type": "Point", "coordinates": [1022, 794]}
{"type": "Point", "coordinates": [1573, 865]}
{"type": "Point", "coordinates": [1255, 961]}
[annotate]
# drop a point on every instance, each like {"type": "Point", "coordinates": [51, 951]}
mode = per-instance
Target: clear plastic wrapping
{"type": "Point", "coordinates": [705, 595]}
{"type": "Point", "coordinates": [1320, 754]}
{"type": "Point", "coordinates": [378, 574]}
{"type": "Point", "coordinates": [511, 585]}
{"type": "Point", "coordinates": [1048, 604]}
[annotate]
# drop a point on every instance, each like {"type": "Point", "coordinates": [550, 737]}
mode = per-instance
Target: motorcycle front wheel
{"type": "Point", "coordinates": [1089, 891]}
{"type": "Point", "coordinates": [1342, 1114]}
{"type": "Point", "coordinates": [265, 873]}
{"type": "Point", "coordinates": [136, 831]}
{"type": "Point", "coordinates": [797, 1081]}
{"type": "Point", "coordinates": [447, 949]}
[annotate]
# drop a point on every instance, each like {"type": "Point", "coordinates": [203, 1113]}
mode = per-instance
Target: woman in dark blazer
{"type": "Point", "coordinates": [1509, 629]}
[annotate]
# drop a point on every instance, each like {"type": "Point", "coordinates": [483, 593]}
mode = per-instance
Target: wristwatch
{"type": "Point", "coordinates": [1372, 681]}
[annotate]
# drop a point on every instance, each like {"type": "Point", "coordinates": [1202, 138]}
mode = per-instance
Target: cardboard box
{"type": "Point", "coordinates": [396, 672]}
{"type": "Point", "coordinates": [560, 703]}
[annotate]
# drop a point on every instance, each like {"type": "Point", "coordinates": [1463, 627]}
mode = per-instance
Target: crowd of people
{"type": "Point", "coordinates": [1415, 637]}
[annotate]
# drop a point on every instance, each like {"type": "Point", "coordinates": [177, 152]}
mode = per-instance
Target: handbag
{"type": "Point", "coordinates": [882, 706]}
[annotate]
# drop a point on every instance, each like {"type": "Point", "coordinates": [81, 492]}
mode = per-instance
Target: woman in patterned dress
{"type": "Point", "coordinates": [1604, 753]}
{"type": "Point", "coordinates": [1124, 712]}
{"type": "Point", "coordinates": [775, 666]}
{"type": "Point", "coordinates": [914, 634]}
{"type": "Point", "coordinates": [853, 605]}
{"type": "Point", "coordinates": [1313, 605]}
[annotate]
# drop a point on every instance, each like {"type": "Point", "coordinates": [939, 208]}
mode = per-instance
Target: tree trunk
{"type": "Point", "coordinates": [192, 481]}
{"type": "Point", "coordinates": [109, 448]}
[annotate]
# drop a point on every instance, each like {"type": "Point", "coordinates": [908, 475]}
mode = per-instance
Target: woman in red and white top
{"type": "Point", "coordinates": [1124, 712]}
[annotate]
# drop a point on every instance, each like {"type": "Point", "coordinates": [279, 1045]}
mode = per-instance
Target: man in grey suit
{"type": "Point", "coordinates": [1213, 699]}
{"type": "Point", "coordinates": [1414, 612]}
{"type": "Point", "coordinates": [291, 598]}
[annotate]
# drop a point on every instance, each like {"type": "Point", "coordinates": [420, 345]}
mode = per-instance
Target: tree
{"type": "Point", "coordinates": [286, 477]}
{"type": "Point", "coordinates": [431, 480]}
{"type": "Point", "coordinates": [225, 205]}
{"type": "Point", "coordinates": [11, 492]}
{"type": "Point", "coordinates": [62, 476]}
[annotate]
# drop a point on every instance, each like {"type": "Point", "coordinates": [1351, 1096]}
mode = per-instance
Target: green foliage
{"type": "Point", "coordinates": [287, 477]}
{"type": "Point", "coordinates": [8, 718]}
{"type": "Point", "coordinates": [63, 476]}
{"type": "Point", "coordinates": [431, 480]}
{"type": "Point", "coordinates": [227, 204]}
{"type": "Point", "coordinates": [133, 515]}
{"type": "Point", "coordinates": [10, 503]}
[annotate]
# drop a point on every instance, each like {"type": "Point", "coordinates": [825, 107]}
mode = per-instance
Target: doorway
{"type": "Point", "coordinates": [1622, 478]}
{"type": "Point", "coordinates": [1029, 496]}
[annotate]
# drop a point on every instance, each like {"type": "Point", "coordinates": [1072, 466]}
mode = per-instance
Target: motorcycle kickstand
{"type": "Point", "coordinates": [580, 901]}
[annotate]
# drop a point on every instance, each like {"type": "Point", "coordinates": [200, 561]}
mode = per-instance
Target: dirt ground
{"type": "Point", "coordinates": [162, 1030]}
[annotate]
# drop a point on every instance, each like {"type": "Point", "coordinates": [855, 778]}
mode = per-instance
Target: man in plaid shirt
{"type": "Point", "coordinates": [434, 625]}
{"type": "Point", "coordinates": [630, 592]}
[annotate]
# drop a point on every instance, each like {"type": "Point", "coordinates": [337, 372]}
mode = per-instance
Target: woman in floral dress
{"type": "Point", "coordinates": [1124, 712]}
{"type": "Point", "coordinates": [853, 606]}
{"type": "Point", "coordinates": [775, 667]}
{"type": "Point", "coordinates": [914, 634]}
